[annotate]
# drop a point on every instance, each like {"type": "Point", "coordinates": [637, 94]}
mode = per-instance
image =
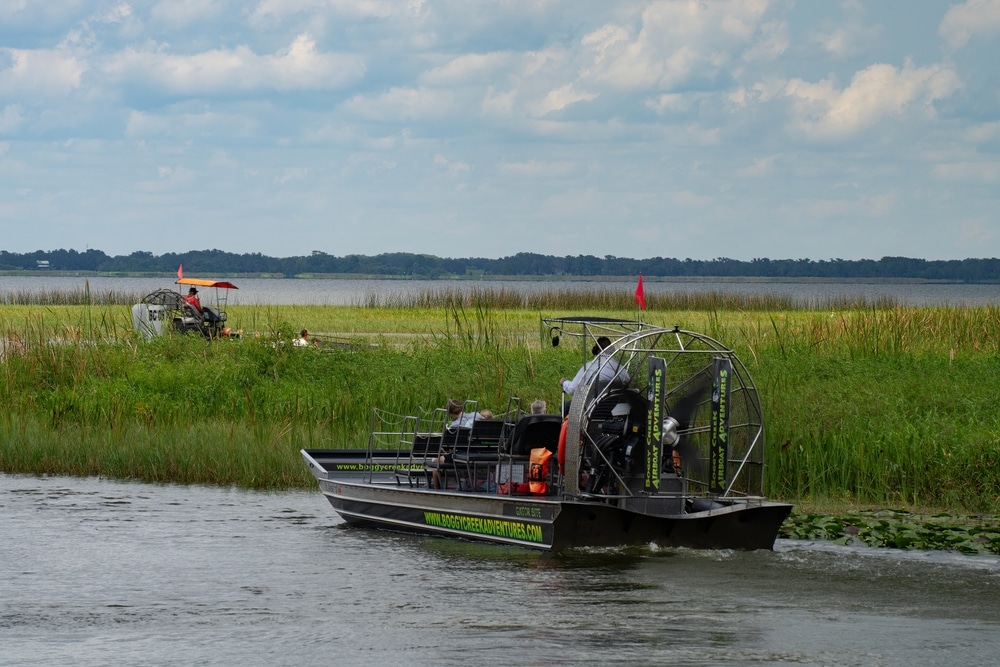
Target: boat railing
{"type": "Point", "coordinates": [480, 453]}
{"type": "Point", "coordinates": [385, 447]}
{"type": "Point", "coordinates": [420, 447]}
{"type": "Point", "coordinates": [529, 432]}
{"type": "Point", "coordinates": [420, 441]}
{"type": "Point", "coordinates": [442, 467]}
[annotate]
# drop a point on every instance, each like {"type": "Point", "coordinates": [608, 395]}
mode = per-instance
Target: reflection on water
{"type": "Point", "coordinates": [260, 291]}
{"type": "Point", "coordinates": [97, 572]}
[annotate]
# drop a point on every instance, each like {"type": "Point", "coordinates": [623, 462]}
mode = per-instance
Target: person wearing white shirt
{"type": "Point", "coordinates": [460, 418]}
{"type": "Point", "coordinates": [604, 366]}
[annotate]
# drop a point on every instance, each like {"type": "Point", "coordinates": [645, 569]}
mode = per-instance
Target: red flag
{"type": "Point", "coordinates": [640, 295]}
{"type": "Point", "coordinates": [180, 271]}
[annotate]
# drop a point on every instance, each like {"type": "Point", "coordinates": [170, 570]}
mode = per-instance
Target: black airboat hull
{"type": "Point", "coordinates": [373, 498]}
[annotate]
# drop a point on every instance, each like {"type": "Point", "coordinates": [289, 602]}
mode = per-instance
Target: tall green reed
{"type": "Point", "coordinates": [890, 405]}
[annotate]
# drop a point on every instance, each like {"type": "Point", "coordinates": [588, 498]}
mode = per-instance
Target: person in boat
{"type": "Point", "coordinates": [192, 299]}
{"type": "Point", "coordinates": [538, 407]}
{"type": "Point", "coordinates": [302, 340]}
{"type": "Point", "coordinates": [459, 417]}
{"type": "Point", "coordinates": [606, 367]}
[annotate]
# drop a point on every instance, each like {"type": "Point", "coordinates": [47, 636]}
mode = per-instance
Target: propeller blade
{"type": "Point", "coordinates": [684, 410]}
{"type": "Point", "coordinates": [690, 461]}
{"type": "Point", "coordinates": [685, 407]}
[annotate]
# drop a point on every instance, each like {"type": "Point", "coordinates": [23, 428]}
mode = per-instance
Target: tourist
{"type": "Point", "coordinates": [459, 417]}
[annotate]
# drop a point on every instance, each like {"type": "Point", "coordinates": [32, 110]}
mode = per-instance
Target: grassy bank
{"type": "Point", "coordinates": [887, 405]}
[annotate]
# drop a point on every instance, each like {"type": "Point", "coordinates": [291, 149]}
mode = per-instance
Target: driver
{"type": "Point", "coordinates": [603, 365]}
{"type": "Point", "coordinates": [192, 298]}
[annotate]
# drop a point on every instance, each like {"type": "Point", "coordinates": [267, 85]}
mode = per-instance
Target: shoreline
{"type": "Point", "coordinates": [819, 280]}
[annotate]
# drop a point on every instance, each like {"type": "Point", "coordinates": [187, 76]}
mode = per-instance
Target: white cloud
{"type": "Point", "coordinates": [577, 204]}
{"type": "Point", "coordinates": [179, 13]}
{"type": "Point", "coordinates": [702, 136]}
{"type": "Point", "coordinates": [559, 99]}
{"type": "Point", "coordinates": [403, 105]}
{"type": "Point", "coordinates": [536, 62]}
{"type": "Point", "coordinates": [762, 91]}
{"type": "Point", "coordinates": [849, 41]}
{"type": "Point", "coordinates": [289, 174]}
{"type": "Point", "coordinates": [11, 118]}
{"type": "Point", "coordinates": [973, 18]}
{"type": "Point", "coordinates": [141, 125]}
{"type": "Point", "coordinates": [169, 178]}
{"type": "Point", "coordinates": [969, 172]}
{"type": "Point", "coordinates": [689, 199]}
{"type": "Point", "coordinates": [676, 41]}
{"type": "Point", "coordinates": [825, 208]}
{"type": "Point", "coordinates": [497, 103]}
{"type": "Point", "coordinates": [116, 14]}
{"type": "Point", "coordinates": [533, 168]}
{"type": "Point", "coordinates": [43, 71]}
{"type": "Point", "coordinates": [455, 167]}
{"type": "Point", "coordinates": [469, 68]}
{"type": "Point", "coordinates": [299, 67]}
{"type": "Point", "coordinates": [851, 36]}
{"type": "Point", "coordinates": [605, 40]}
{"type": "Point", "coordinates": [880, 205]}
{"type": "Point", "coordinates": [761, 167]}
{"type": "Point", "coordinates": [670, 102]}
{"type": "Point", "coordinates": [976, 234]}
{"type": "Point", "coordinates": [880, 91]}
{"type": "Point", "coordinates": [983, 132]}
{"type": "Point", "coordinates": [771, 44]}
{"type": "Point", "coordinates": [9, 8]}
{"type": "Point", "coordinates": [221, 159]}
{"type": "Point", "coordinates": [282, 9]}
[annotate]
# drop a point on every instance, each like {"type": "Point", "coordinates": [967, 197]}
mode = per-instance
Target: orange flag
{"type": "Point", "coordinates": [640, 295]}
{"type": "Point", "coordinates": [180, 271]}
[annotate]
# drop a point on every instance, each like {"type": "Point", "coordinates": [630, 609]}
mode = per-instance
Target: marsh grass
{"type": "Point", "coordinates": [494, 298]}
{"type": "Point", "coordinates": [883, 406]}
{"type": "Point", "coordinates": [75, 297]}
{"type": "Point", "coordinates": [612, 299]}
{"type": "Point", "coordinates": [892, 406]}
{"type": "Point", "coordinates": [231, 411]}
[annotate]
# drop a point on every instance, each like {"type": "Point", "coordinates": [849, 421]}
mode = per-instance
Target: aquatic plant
{"type": "Point", "coordinates": [899, 529]}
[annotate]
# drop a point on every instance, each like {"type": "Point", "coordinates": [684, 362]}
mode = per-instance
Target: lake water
{"type": "Point", "coordinates": [97, 572]}
{"type": "Point", "coordinates": [254, 291]}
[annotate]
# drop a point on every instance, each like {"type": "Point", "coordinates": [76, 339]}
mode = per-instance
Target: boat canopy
{"type": "Point", "coordinates": [200, 282]}
{"type": "Point", "coordinates": [588, 328]}
{"type": "Point", "coordinates": [591, 319]}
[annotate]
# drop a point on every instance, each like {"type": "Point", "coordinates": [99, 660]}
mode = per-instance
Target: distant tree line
{"type": "Point", "coordinates": [207, 263]}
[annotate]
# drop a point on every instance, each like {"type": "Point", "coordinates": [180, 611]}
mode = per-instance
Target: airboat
{"type": "Point", "coordinates": [674, 456]}
{"type": "Point", "coordinates": [166, 310]}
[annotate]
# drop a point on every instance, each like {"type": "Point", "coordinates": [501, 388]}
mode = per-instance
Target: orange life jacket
{"type": "Point", "coordinates": [538, 471]}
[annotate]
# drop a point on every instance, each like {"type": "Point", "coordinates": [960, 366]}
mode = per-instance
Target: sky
{"type": "Point", "coordinates": [737, 129]}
